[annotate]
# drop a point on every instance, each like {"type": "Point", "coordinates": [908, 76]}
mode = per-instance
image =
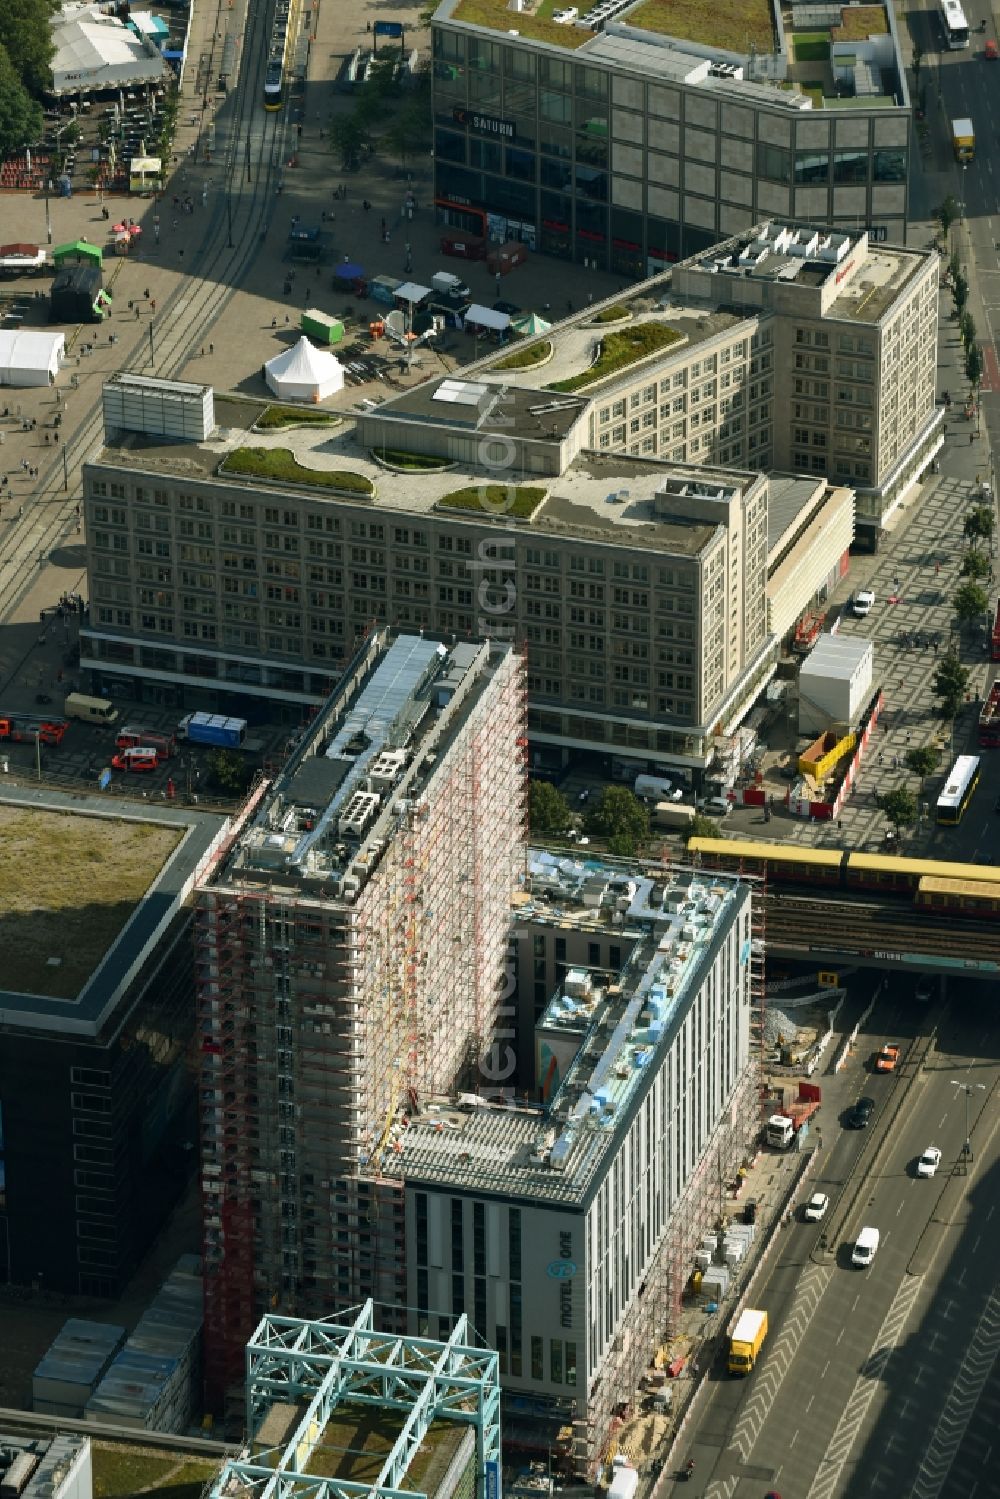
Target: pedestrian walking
{"type": "Point", "coordinates": [274, 322]}
{"type": "Point", "coordinates": [211, 348]}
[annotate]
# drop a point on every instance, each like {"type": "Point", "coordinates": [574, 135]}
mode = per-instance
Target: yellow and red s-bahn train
{"type": "Point", "coordinates": [965, 890]}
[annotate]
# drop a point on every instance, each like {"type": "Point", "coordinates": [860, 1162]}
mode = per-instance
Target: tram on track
{"type": "Point", "coordinates": [971, 890]}
{"type": "Point", "coordinates": [277, 55]}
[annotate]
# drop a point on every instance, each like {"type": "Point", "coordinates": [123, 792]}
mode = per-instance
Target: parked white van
{"type": "Point", "coordinates": [90, 709]}
{"type": "Point", "coordinates": [866, 1247]}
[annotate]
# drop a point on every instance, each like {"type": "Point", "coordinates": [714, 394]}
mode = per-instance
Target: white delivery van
{"type": "Point", "coordinates": [866, 1247]}
{"type": "Point", "coordinates": [90, 709]}
{"type": "Point", "coordinates": [449, 284]}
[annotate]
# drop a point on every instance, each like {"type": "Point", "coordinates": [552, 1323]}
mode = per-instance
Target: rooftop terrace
{"type": "Point", "coordinates": [554, 1152]}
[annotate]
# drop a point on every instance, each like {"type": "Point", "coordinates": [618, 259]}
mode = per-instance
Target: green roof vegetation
{"type": "Point", "coordinates": [537, 26]}
{"type": "Point", "coordinates": [736, 25]}
{"type": "Point", "coordinates": [525, 359]}
{"type": "Point", "coordinates": [68, 885]}
{"type": "Point", "coordinates": [282, 466]}
{"type": "Point", "coordinates": [414, 461]}
{"type": "Point", "coordinates": [496, 501]}
{"type": "Point", "coordinates": [859, 22]}
{"type": "Point", "coordinates": [615, 314]}
{"type": "Point", "coordinates": [354, 1446]}
{"type": "Point", "coordinates": [619, 350]}
{"type": "Point", "coordinates": [294, 416]}
{"type": "Point", "coordinates": [121, 1471]}
{"type": "Point", "coordinates": [811, 46]}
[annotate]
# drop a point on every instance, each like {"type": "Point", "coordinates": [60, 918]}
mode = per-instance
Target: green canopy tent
{"type": "Point", "coordinates": [81, 249]}
{"type": "Point", "coordinates": [530, 324]}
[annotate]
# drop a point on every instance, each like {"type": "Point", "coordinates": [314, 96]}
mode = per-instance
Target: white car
{"type": "Point", "coordinates": [816, 1207]}
{"type": "Point", "coordinates": [863, 603]}
{"type": "Point", "coordinates": [929, 1161]}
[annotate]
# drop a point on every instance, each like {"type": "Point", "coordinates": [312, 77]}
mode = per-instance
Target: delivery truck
{"type": "Point", "coordinates": [747, 1340]}
{"type": "Point", "coordinates": [213, 728]}
{"type": "Point", "coordinates": [624, 1479]}
{"type": "Point", "coordinates": [673, 815]}
{"type": "Point", "coordinates": [963, 141]}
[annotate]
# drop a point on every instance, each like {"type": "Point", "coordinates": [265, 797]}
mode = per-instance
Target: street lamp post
{"type": "Point", "coordinates": [967, 1089]}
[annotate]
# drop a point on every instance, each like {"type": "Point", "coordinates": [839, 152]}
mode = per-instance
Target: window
{"type": "Point", "coordinates": [555, 1360]}
{"type": "Point", "coordinates": [537, 1358]}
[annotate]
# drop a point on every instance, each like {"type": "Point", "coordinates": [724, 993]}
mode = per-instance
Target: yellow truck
{"type": "Point", "coordinates": [747, 1341]}
{"type": "Point", "coordinates": [963, 140]}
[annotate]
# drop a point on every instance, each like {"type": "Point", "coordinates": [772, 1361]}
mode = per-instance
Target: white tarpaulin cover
{"type": "Point", "coordinates": [28, 357]}
{"type": "Point", "coordinates": [486, 317]}
{"type": "Point", "coordinates": [95, 51]}
{"type": "Point", "coordinates": [304, 373]}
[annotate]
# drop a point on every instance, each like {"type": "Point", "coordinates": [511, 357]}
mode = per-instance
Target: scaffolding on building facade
{"type": "Point", "coordinates": [324, 1020]}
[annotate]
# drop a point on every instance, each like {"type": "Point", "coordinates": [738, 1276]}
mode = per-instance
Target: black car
{"type": "Point", "coordinates": [860, 1115]}
{"type": "Point", "coordinates": [508, 307]}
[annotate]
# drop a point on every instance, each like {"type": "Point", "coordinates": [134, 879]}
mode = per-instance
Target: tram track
{"type": "Point", "coordinates": [251, 142]}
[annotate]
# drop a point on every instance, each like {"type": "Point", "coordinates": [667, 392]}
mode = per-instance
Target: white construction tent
{"type": "Point", "coordinates": [95, 51]}
{"type": "Point", "coordinates": [304, 373]}
{"type": "Point", "coordinates": [30, 358]}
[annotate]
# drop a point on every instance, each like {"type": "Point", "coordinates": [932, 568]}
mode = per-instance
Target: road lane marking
{"type": "Point", "coordinates": [959, 1408]}
{"type": "Point", "coordinates": [827, 1481]}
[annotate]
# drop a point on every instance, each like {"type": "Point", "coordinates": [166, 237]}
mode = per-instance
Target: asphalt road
{"type": "Point", "coordinates": [879, 1382]}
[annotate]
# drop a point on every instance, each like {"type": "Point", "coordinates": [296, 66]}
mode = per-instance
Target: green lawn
{"type": "Point", "coordinates": [615, 314]}
{"type": "Point", "coordinates": [517, 502]}
{"type": "Point", "coordinates": [281, 465]}
{"type": "Point", "coordinates": [619, 350]}
{"type": "Point", "coordinates": [294, 416]}
{"type": "Point", "coordinates": [525, 359]}
{"type": "Point", "coordinates": [811, 46]}
{"type": "Point", "coordinates": [414, 461]}
{"type": "Point", "coordinates": [539, 27]}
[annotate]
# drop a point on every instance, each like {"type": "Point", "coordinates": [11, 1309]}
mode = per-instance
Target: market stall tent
{"type": "Point", "coordinates": [304, 373]}
{"type": "Point", "coordinates": [80, 250]}
{"type": "Point", "coordinates": [28, 357]}
{"type": "Point", "coordinates": [487, 317]}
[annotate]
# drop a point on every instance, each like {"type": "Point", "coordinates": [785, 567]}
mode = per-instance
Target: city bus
{"type": "Point", "coordinates": [954, 26]}
{"type": "Point", "coordinates": [963, 778]}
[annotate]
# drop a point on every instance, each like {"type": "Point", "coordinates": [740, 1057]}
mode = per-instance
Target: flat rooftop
{"type": "Point", "coordinates": [86, 890]}
{"type": "Point", "coordinates": [356, 1441]}
{"type": "Point", "coordinates": [624, 1024]}
{"type": "Point", "coordinates": [818, 55]}
{"type": "Point", "coordinates": [362, 766]}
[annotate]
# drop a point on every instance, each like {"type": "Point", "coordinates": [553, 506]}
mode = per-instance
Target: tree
{"type": "Point", "coordinates": [383, 76]}
{"type": "Point", "coordinates": [347, 136]}
{"type": "Point", "coordinates": [922, 760]}
{"type": "Point", "coordinates": [980, 523]}
{"type": "Point", "coordinates": [900, 807]}
{"type": "Point", "coordinates": [967, 329]}
{"type": "Point", "coordinates": [227, 772]}
{"type": "Point", "coordinates": [975, 565]}
{"type": "Point", "coordinates": [955, 265]}
{"type": "Point", "coordinates": [973, 365]}
{"type": "Point", "coordinates": [548, 809]}
{"type": "Point", "coordinates": [946, 214]}
{"type": "Point", "coordinates": [621, 818]}
{"type": "Point", "coordinates": [701, 826]}
{"type": "Point", "coordinates": [960, 293]}
{"type": "Point", "coordinates": [20, 117]}
{"type": "Point", "coordinates": [26, 28]}
{"type": "Point", "coordinates": [970, 602]}
{"type": "Point", "coordinates": [918, 58]}
{"type": "Point", "coordinates": [949, 685]}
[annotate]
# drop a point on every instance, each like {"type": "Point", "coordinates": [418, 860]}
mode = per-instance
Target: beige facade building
{"type": "Point", "coordinates": [606, 508]}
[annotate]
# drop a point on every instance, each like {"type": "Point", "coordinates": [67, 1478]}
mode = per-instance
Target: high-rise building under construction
{"type": "Point", "coordinates": [352, 953]}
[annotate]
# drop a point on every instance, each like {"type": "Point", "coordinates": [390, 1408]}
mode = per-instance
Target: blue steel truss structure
{"type": "Point", "coordinates": [333, 1364]}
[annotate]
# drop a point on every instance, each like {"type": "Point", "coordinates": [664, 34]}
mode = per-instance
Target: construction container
{"type": "Point", "coordinates": [321, 327]}
{"type": "Point", "coordinates": [154, 1380]}
{"type": "Point", "coordinates": [69, 1373]}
